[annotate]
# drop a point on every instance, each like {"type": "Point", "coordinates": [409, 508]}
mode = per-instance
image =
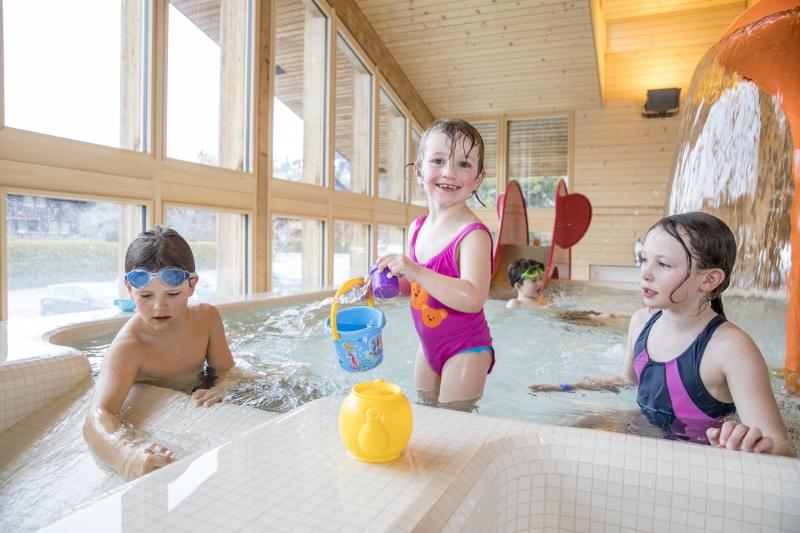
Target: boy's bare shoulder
{"type": "Point", "coordinates": [128, 343]}
{"type": "Point", "coordinates": [205, 312]}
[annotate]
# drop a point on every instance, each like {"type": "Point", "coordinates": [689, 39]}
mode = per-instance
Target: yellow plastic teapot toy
{"type": "Point", "coordinates": [375, 421]}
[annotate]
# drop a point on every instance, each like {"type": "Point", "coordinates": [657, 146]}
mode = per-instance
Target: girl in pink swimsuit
{"type": "Point", "coordinates": [449, 268]}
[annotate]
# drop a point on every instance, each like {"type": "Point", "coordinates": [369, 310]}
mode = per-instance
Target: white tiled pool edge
{"type": "Point", "coordinates": [462, 472]}
{"type": "Point", "coordinates": [474, 473]}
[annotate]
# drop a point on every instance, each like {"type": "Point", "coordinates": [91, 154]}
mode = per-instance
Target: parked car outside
{"type": "Point", "coordinates": [75, 297]}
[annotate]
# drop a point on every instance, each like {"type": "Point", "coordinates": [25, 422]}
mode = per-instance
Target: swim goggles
{"type": "Point", "coordinates": [170, 276]}
{"type": "Point", "coordinates": [534, 273]}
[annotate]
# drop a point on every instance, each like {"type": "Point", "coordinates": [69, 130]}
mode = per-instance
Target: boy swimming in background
{"type": "Point", "coordinates": [526, 277]}
{"type": "Point", "coordinates": [165, 340]}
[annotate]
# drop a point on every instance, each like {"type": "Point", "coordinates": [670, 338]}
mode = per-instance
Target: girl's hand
{"type": "Point", "coordinates": [400, 265]}
{"type": "Point", "coordinates": [737, 436]}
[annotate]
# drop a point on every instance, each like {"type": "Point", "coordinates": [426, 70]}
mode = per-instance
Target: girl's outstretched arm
{"type": "Point", "coordinates": [627, 378]}
{"type": "Point", "coordinates": [467, 293]}
{"type": "Point", "coordinates": [761, 428]}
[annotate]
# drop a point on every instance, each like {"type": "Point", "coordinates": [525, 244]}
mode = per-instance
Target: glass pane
{"type": "Point", "coordinates": [417, 192]}
{"type": "Point", "coordinates": [208, 76]}
{"type": "Point", "coordinates": [350, 251]}
{"type": "Point", "coordinates": [537, 157]}
{"type": "Point", "coordinates": [297, 253]}
{"type": "Point", "coordinates": [391, 240]}
{"type": "Point", "coordinates": [392, 150]}
{"type": "Point", "coordinates": [487, 192]}
{"type": "Point", "coordinates": [298, 125]}
{"type": "Point", "coordinates": [353, 112]}
{"type": "Point", "coordinates": [219, 245]}
{"type": "Point", "coordinates": [75, 69]}
{"type": "Point", "coordinates": [66, 256]}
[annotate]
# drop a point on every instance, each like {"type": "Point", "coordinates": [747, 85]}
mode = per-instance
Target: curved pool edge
{"type": "Point", "coordinates": [461, 472]}
{"type": "Point", "coordinates": [447, 466]}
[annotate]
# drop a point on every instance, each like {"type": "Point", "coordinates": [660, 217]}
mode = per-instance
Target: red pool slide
{"type": "Point", "coordinates": [573, 214]}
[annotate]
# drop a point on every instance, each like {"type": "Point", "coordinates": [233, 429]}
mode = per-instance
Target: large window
{"type": "Point", "coordinates": [487, 192]}
{"type": "Point", "coordinates": [298, 251]}
{"type": "Point", "coordinates": [208, 78]}
{"type": "Point", "coordinates": [219, 245]}
{"type": "Point", "coordinates": [392, 149]}
{"type": "Point", "coordinates": [538, 157]}
{"type": "Point", "coordinates": [353, 121]}
{"type": "Point", "coordinates": [66, 255]}
{"type": "Point", "coordinates": [298, 117]}
{"type": "Point", "coordinates": [351, 251]}
{"type": "Point", "coordinates": [391, 240]}
{"type": "Point", "coordinates": [418, 196]}
{"type": "Point", "coordinates": [77, 69]}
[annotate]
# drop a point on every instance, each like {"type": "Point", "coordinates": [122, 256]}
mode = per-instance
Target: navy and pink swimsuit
{"type": "Point", "coordinates": [672, 395]}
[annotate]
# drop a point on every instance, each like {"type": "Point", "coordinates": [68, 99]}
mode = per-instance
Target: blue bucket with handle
{"type": "Point", "coordinates": [356, 332]}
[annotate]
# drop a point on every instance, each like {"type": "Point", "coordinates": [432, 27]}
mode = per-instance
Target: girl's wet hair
{"type": "Point", "coordinates": [158, 248]}
{"type": "Point", "coordinates": [711, 245]}
{"type": "Point", "coordinates": [454, 129]}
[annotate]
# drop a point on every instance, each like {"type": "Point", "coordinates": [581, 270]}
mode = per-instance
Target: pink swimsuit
{"type": "Point", "coordinates": [445, 332]}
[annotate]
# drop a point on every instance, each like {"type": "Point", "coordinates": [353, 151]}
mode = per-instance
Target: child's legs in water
{"type": "Point", "coordinates": [461, 383]}
{"type": "Point", "coordinates": [426, 380]}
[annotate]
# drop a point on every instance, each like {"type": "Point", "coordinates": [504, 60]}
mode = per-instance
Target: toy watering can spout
{"type": "Point", "coordinates": [373, 437]}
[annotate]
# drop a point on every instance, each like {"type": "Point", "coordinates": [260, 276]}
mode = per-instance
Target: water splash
{"type": "Point", "coordinates": [734, 161]}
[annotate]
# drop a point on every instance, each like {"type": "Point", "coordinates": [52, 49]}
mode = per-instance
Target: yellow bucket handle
{"type": "Point", "coordinates": [346, 286]}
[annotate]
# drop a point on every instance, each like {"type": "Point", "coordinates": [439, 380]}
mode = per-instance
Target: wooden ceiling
{"type": "Point", "coordinates": [487, 57]}
{"type": "Point", "coordinates": [475, 57]}
{"type": "Point", "coordinates": [468, 57]}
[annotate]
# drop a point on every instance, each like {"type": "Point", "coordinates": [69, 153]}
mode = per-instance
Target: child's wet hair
{"type": "Point", "coordinates": [519, 267]}
{"type": "Point", "coordinates": [711, 245]}
{"type": "Point", "coordinates": [159, 248]}
{"type": "Point", "coordinates": [454, 129]}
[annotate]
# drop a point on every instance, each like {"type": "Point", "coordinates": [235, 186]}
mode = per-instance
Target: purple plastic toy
{"type": "Point", "coordinates": [384, 283]}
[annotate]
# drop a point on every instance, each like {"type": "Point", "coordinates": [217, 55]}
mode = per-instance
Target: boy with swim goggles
{"type": "Point", "coordinates": [533, 273]}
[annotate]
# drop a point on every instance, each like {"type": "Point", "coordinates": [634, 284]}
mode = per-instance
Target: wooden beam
{"type": "Point", "coordinates": [264, 65]}
{"type": "Point", "coordinates": [313, 104]}
{"type": "Point", "coordinates": [233, 84]}
{"type": "Point", "coordinates": [131, 82]}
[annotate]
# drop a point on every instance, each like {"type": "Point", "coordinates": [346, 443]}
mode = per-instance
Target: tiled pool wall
{"type": "Point", "coordinates": [518, 477]}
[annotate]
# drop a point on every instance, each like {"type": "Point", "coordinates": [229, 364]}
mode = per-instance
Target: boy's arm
{"type": "Point", "coordinates": [218, 357]}
{"type": "Point", "coordinates": [761, 428]}
{"type": "Point", "coordinates": [103, 429]}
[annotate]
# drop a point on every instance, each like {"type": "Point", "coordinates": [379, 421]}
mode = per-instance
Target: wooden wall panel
{"type": "Point", "coordinates": [661, 49]}
{"type": "Point", "coordinates": [622, 163]}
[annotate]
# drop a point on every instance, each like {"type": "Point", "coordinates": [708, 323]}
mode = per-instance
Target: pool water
{"type": "Point", "coordinates": [284, 358]}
